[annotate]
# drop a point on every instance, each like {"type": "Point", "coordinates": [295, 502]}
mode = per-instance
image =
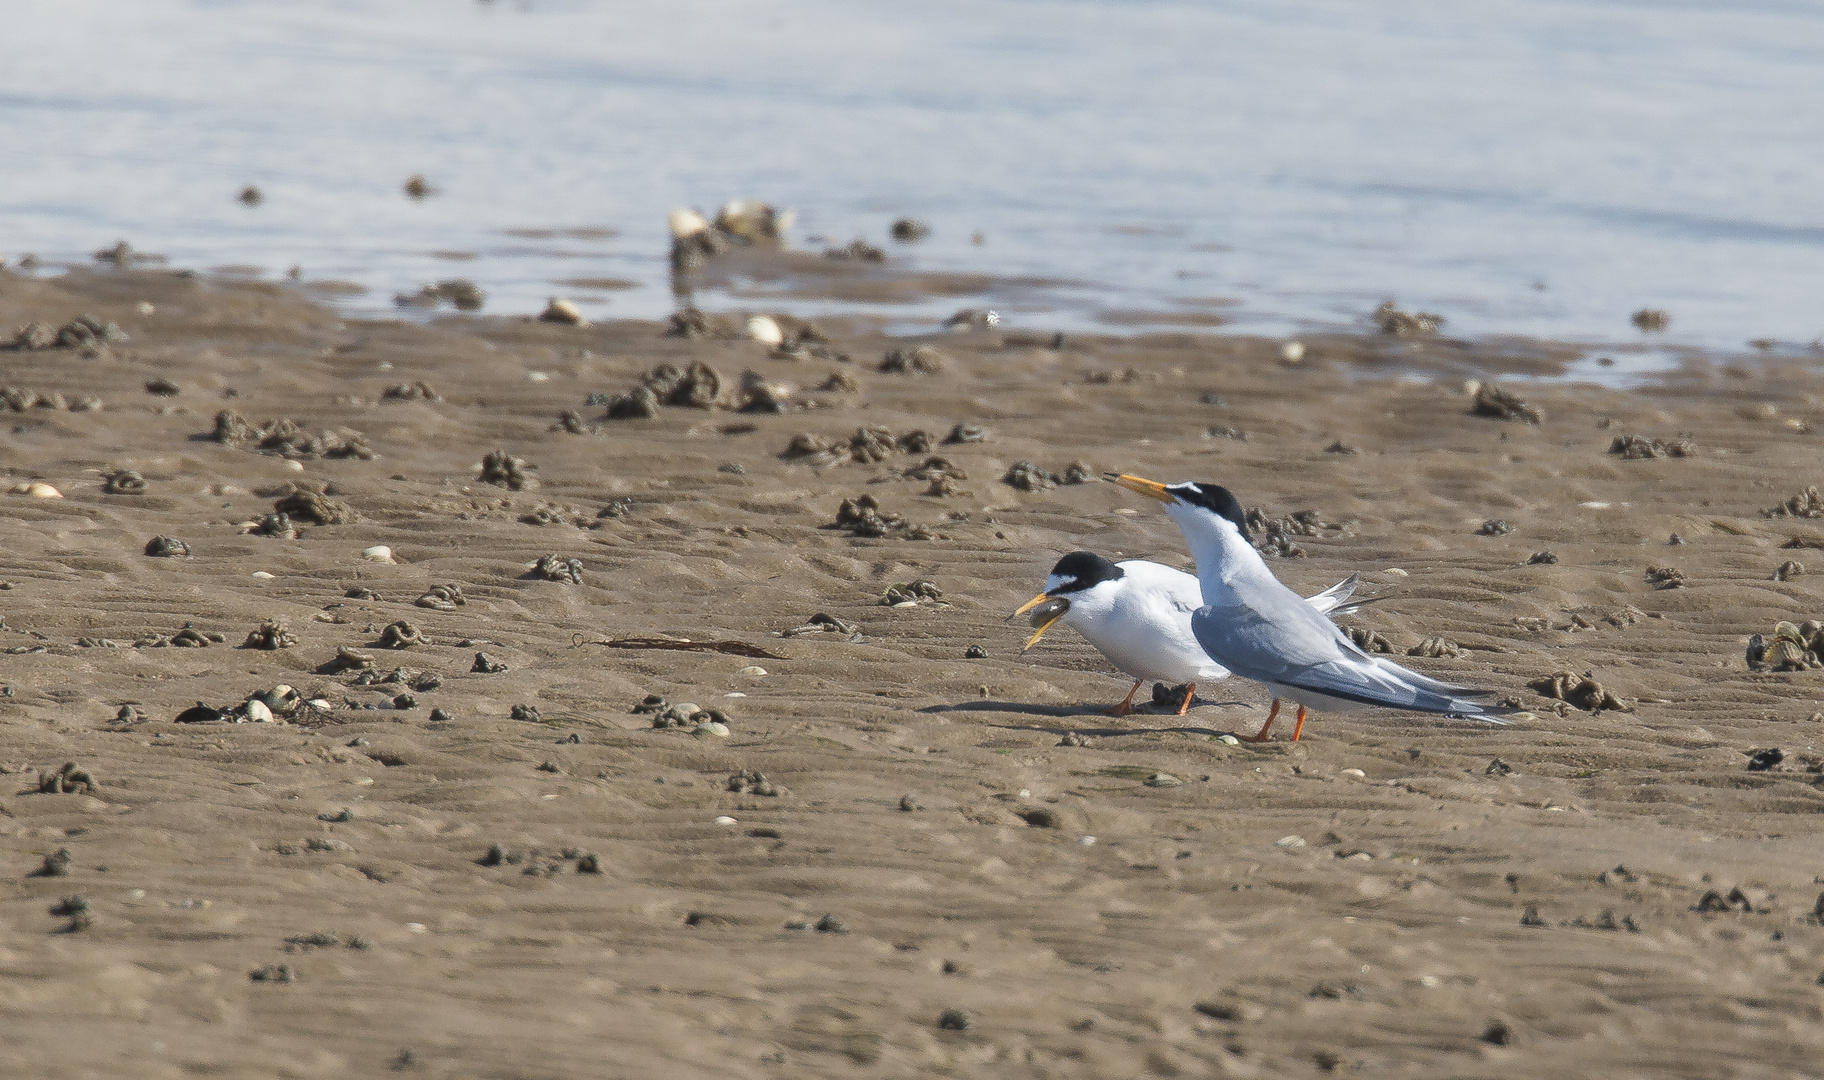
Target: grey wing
{"type": "Point", "coordinates": [1269, 640]}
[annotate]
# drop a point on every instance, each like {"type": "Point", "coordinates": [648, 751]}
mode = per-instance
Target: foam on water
{"type": "Point", "coordinates": [1520, 166]}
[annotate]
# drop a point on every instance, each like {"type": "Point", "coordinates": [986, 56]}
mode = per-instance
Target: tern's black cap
{"type": "Point", "coordinates": [1215, 498]}
{"type": "Point", "coordinates": [1081, 570]}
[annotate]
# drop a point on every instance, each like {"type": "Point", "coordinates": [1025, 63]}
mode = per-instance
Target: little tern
{"type": "Point", "coordinates": [1138, 615]}
{"type": "Point", "coordinates": [1261, 630]}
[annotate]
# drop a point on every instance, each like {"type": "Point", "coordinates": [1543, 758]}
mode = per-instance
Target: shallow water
{"type": "Point", "coordinates": [1522, 167]}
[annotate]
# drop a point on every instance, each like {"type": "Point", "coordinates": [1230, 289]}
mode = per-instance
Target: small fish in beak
{"type": "Point", "coordinates": [1045, 611]}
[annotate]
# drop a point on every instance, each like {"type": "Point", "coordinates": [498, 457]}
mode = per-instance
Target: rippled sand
{"type": "Point", "coordinates": [1194, 936]}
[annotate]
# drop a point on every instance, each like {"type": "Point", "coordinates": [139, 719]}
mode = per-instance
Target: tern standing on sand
{"type": "Point", "coordinates": [1261, 630]}
{"type": "Point", "coordinates": [1138, 615]}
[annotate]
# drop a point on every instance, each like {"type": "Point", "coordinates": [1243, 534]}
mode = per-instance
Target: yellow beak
{"type": "Point", "coordinates": [1150, 488]}
{"type": "Point", "coordinates": [1042, 598]}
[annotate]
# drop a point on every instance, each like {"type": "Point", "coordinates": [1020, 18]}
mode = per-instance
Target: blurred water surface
{"type": "Point", "coordinates": [1538, 167]}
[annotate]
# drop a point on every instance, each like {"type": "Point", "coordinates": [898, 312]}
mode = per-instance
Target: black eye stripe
{"type": "Point", "coordinates": [1216, 499]}
{"type": "Point", "coordinates": [1081, 570]}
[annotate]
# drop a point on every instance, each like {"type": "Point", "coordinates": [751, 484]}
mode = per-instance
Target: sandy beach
{"type": "Point", "coordinates": [899, 859]}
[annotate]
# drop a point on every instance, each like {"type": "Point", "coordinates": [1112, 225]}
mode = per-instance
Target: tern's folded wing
{"type": "Point", "coordinates": [1274, 643]}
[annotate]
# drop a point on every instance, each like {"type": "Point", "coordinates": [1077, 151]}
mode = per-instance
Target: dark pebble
{"type": "Point", "coordinates": [830, 924]}
{"type": "Point", "coordinates": [344, 815]}
{"type": "Point", "coordinates": [954, 1020]}
{"type": "Point", "coordinates": [200, 714]}
{"type": "Point", "coordinates": [487, 665]}
{"type": "Point", "coordinates": [1763, 760]}
{"type": "Point", "coordinates": [55, 865]}
{"type": "Point", "coordinates": [526, 712]}
{"type": "Point", "coordinates": [975, 652]}
{"type": "Point", "coordinates": [439, 716]}
{"type": "Point", "coordinates": [273, 973]}
{"type": "Point", "coordinates": [167, 547]}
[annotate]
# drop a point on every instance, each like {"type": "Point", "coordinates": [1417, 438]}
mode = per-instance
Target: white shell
{"type": "Point", "coordinates": [1292, 352]}
{"type": "Point", "coordinates": [725, 820]}
{"type": "Point", "coordinates": [712, 728]}
{"type": "Point", "coordinates": [40, 491]}
{"type": "Point", "coordinates": [295, 466]}
{"type": "Point", "coordinates": [752, 669]}
{"type": "Point", "coordinates": [763, 328]}
{"type": "Point", "coordinates": [262, 575]}
{"type": "Point", "coordinates": [1357, 773]}
{"type": "Point", "coordinates": [258, 713]}
{"type": "Point", "coordinates": [560, 310]}
{"type": "Point", "coordinates": [378, 553]}
{"type": "Point", "coordinates": [687, 223]}
{"type": "Point", "coordinates": [1293, 841]}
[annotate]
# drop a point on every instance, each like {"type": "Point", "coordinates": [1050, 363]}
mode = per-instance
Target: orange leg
{"type": "Point", "coordinates": [1272, 714]}
{"type": "Point", "coordinates": [1301, 723]}
{"type": "Point", "coordinates": [1126, 704]}
{"type": "Point", "coordinates": [1190, 692]}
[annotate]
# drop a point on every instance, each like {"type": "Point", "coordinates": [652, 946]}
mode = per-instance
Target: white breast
{"type": "Point", "coordinates": [1142, 624]}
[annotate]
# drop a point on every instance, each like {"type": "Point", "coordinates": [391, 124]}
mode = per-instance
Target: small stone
{"type": "Point", "coordinates": [910, 804]}
{"type": "Point", "coordinates": [975, 652]}
{"type": "Point", "coordinates": [439, 716]}
{"type": "Point", "coordinates": [1163, 779]}
{"type": "Point", "coordinates": [486, 665]}
{"type": "Point", "coordinates": [525, 712]}
{"type": "Point", "coordinates": [954, 1020]}
{"type": "Point", "coordinates": [1290, 842]}
{"type": "Point", "coordinates": [711, 729]}
{"type": "Point", "coordinates": [830, 924]}
{"type": "Point", "coordinates": [1228, 740]}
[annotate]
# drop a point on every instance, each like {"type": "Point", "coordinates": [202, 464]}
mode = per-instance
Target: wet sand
{"type": "Point", "coordinates": [1469, 901]}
